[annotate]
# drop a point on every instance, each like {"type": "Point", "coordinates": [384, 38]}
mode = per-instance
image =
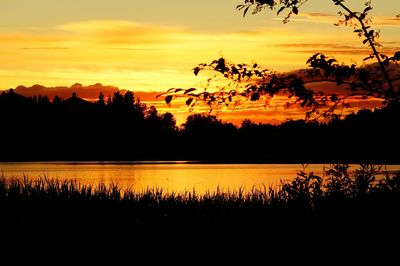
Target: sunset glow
{"type": "Point", "coordinates": [151, 46]}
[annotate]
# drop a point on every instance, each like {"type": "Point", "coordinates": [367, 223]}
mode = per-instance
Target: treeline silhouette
{"type": "Point", "coordinates": [121, 127]}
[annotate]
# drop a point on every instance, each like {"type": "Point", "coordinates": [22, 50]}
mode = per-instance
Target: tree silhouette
{"type": "Point", "coordinates": [123, 128]}
{"type": "Point", "coordinates": [251, 82]}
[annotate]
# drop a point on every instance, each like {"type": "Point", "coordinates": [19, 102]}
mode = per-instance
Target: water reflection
{"type": "Point", "coordinates": [171, 176]}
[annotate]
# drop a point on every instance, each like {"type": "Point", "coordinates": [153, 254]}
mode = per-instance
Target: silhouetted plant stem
{"type": "Point", "coordinates": [371, 42]}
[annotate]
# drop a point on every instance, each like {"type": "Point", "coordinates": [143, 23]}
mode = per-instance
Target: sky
{"type": "Point", "coordinates": [153, 45]}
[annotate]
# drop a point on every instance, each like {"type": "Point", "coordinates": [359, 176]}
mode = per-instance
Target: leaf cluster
{"type": "Point", "coordinates": [291, 6]}
{"type": "Point", "coordinates": [252, 82]}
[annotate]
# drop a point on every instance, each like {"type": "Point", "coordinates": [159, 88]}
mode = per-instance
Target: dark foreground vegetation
{"type": "Point", "coordinates": [346, 218]}
{"type": "Point", "coordinates": [123, 128]}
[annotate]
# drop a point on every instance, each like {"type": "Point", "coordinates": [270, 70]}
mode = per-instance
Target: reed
{"type": "Point", "coordinates": [309, 220]}
{"type": "Point", "coordinates": [337, 183]}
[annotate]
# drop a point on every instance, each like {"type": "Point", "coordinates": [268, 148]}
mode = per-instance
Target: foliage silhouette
{"type": "Point", "coordinates": [123, 128]}
{"type": "Point", "coordinates": [253, 83]}
{"type": "Point", "coordinates": [40, 129]}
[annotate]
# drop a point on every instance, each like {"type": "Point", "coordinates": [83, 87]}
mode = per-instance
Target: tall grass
{"type": "Point", "coordinates": [323, 220]}
{"type": "Point", "coordinates": [306, 189]}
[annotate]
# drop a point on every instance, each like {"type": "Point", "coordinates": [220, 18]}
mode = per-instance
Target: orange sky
{"type": "Point", "coordinates": [153, 45]}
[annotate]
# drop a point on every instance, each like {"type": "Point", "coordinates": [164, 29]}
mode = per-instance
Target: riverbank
{"type": "Point", "coordinates": [347, 218]}
{"type": "Point", "coordinates": [171, 176]}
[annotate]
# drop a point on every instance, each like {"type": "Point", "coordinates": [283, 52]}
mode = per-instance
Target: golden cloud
{"type": "Point", "coordinates": [337, 49]}
{"type": "Point", "coordinates": [378, 21]}
{"type": "Point", "coordinates": [30, 40]}
{"type": "Point", "coordinates": [90, 92]}
{"type": "Point", "coordinates": [122, 32]}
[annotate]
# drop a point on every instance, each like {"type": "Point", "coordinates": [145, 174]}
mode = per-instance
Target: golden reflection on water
{"type": "Point", "coordinates": [171, 177]}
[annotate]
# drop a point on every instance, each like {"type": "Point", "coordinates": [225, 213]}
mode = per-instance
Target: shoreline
{"type": "Point", "coordinates": [201, 162]}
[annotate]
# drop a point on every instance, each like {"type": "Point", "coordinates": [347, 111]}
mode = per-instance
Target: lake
{"type": "Point", "coordinates": [171, 176]}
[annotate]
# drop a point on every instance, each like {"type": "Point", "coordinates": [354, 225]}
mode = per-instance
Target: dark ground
{"type": "Point", "coordinates": [110, 233]}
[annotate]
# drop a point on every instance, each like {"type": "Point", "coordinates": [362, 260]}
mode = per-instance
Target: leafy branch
{"type": "Point", "coordinates": [251, 82]}
{"type": "Point", "coordinates": [358, 20]}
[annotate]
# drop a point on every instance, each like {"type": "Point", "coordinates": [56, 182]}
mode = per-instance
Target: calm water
{"type": "Point", "coordinates": [173, 176]}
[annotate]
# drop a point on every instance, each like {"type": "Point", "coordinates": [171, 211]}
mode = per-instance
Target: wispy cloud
{"type": "Point", "coordinates": [337, 49]}
{"type": "Point", "coordinates": [45, 48]}
{"type": "Point", "coordinates": [31, 38]}
{"type": "Point", "coordinates": [377, 21]}
{"type": "Point", "coordinates": [122, 32]}
{"type": "Point", "coordinates": [139, 56]}
{"type": "Point", "coordinates": [387, 21]}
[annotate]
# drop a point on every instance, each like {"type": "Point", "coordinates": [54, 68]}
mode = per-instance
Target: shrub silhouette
{"type": "Point", "coordinates": [305, 189]}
